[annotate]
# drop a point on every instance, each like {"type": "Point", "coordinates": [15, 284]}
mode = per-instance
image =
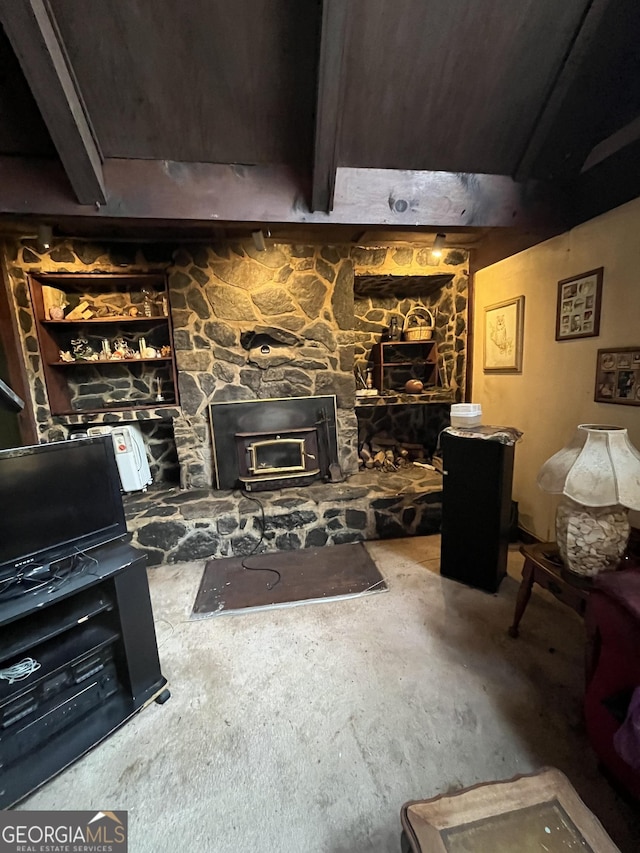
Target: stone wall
{"type": "Point", "coordinates": [75, 256]}
{"type": "Point", "coordinates": [390, 282]}
{"type": "Point", "coordinates": [247, 325]}
{"type": "Point", "coordinates": [251, 325]}
{"type": "Point", "coordinates": [415, 424]}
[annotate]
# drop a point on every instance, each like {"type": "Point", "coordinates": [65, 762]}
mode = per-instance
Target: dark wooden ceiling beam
{"type": "Point", "coordinates": [151, 190]}
{"type": "Point", "coordinates": [501, 243]}
{"type": "Point", "coordinates": [329, 103]}
{"type": "Point", "coordinates": [579, 51]}
{"type": "Point", "coordinates": [610, 183]}
{"type": "Point", "coordinates": [612, 144]}
{"type": "Point", "coordinates": [444, 199]}
{"type": "Point", "coordinates": [31, 29]}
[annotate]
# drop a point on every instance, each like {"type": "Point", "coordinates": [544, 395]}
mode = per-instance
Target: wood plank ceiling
{"type": "Point", "coordinates": [202, 81]}
{"type": "Point", "coordinates": [397, 113]}
{"type": "Point", "coordinates": [438, 81]}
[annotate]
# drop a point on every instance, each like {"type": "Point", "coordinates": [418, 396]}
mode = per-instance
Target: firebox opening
{"type": "Point", "coordinates": [266, 459]}
{"type": "Point", "coordinates": [276, 455]}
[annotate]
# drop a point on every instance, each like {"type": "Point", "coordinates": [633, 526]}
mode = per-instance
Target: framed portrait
{"type": "Point", "coordinates": [503, 336]}
{"type": "Point", "coordinates": [578, 311]}
{"type": "Point", "coordinates": [618, 376]}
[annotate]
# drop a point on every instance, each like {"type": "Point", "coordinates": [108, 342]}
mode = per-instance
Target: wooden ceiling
{"type": "Point", "coordinates": [198, 81]}
{"type": "Point", "coordinates": [455, 86]}
{"type": "Point", "coordinates": [414, 114]}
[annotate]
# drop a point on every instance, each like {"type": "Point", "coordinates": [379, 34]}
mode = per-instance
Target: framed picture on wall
{"type": "Point", "coordinates": [578, 311]}
{"type": "Point", "coordinates": [618, 376]}
{"type": "Point", "coordinates": [503, 336]}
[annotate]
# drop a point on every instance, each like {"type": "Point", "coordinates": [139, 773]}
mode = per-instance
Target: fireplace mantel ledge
{"type": "Point", "coordinates": [402, 399]}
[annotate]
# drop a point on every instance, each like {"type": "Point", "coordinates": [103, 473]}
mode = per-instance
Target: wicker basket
{"type": "Point", "coordinates": [418, 324]}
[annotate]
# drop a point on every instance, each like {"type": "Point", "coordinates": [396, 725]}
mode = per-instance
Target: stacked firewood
{"type": "Point", "coordinates": [386, 453]}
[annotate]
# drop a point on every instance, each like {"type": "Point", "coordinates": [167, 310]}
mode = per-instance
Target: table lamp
{"type": "Point", "coordinates": [598, 473]}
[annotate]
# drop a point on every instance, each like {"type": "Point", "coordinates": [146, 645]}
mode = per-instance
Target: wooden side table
{"type": "Point", "coordinates": [537, 812]}
{"type": "Point", "coordinates": [542, 566]}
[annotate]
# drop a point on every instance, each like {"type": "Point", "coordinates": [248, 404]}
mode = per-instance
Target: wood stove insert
{"type": "Point", "coordinates": [272, 444]}
{"type": "Point", "coordinates": [267, 456]}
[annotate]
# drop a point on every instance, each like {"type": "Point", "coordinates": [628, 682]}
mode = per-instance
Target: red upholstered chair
{"type": "Point", "coordinates": [613, 667]}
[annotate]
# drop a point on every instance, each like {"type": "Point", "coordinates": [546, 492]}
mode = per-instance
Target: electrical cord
{"type": "Point", "coordinates": [258, 544]}
{"type": "Point", "coordinates": [6, 584]}
{"type": "Point", "coordinates": [20, 585]}
{"type": "Point", "coordinates": [85, 569]}
{"type": "Point", "coordinates": [59, 574]}
{"type": "Point", "coordinates": [171, 630]}
{"type": "Point", "coordinates": [19, 671]}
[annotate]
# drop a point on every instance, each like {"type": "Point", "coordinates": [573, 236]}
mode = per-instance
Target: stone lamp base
{"type": "Point", "coordinates": [591, 539]}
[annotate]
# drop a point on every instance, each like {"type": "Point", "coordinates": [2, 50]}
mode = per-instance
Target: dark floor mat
{"type": "Point", "coordinates": [307, 575]}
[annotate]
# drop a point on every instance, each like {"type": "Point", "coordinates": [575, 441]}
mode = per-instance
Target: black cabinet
{"type": "Point", "coordinates": [91, 638]}
{"type": "Point", "coordinates": [476, 510]}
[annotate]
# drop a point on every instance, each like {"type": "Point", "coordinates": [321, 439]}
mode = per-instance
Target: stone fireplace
{"type": "Point", "coordinates": [287, 322]}
{"type": "Point", "coordinates": [255, 325]}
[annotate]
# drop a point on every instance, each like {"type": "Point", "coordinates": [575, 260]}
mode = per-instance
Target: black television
{"type": "Point", "coordinates": [57, 500]}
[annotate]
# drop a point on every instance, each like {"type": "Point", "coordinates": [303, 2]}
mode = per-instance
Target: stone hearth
{"type": "Point", "coordinates": [172, 526]}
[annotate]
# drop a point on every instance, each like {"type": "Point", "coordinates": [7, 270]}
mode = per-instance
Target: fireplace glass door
{"type": "Point", "coordinates": [271, 458]}
{"type": "Point", "coordinates": [276, 456]}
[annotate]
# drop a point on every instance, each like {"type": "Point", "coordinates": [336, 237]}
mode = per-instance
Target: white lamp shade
{"type": "Point", "coordinates": [599, 467]}
{"type": "Point", "coordinates": [553, 474]}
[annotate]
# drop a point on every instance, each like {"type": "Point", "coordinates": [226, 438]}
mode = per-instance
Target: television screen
{"type": "Point", "coordinates": [57, 499]}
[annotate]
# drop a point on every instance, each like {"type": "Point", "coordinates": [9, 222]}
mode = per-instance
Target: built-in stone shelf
{"type": "Point", "coordinates": [402, 399]}
{"type": "Point", "coordinates": [158, 413]}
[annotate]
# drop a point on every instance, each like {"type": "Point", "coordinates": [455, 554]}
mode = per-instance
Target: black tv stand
{"type": "Point", "coordinates": [92, 635]}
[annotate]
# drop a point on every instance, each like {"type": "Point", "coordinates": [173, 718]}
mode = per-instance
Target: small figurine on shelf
{"type": "Point", "coordinates": [159, 398]}
{"type": "Point", "coordinates": [83, 311]}
{"type": "Point", "coordinates": [82, 351]}
{"type": "Point", "coordinates": [65, 355]}
{"type": "Point", "coordinates": [165, 351]}
{"type": "Point", "coordinates": [146, 351]}
{"type": "Point", "coordinates": [107, 311]}
{"type": "Point", "coordinates": [54, 301]}
{"type": "Point", "coordinates": [121, 349]}
{"type": "Point", "coordinates": [106, 349]}
{"type": "Point", "coordinates": [147, 301]}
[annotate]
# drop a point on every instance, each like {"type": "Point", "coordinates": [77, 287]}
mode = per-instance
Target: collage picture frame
{"type": "Point", "coordinates": [618, 376]}
{"type": "Point", "coordinates": [579, 303]}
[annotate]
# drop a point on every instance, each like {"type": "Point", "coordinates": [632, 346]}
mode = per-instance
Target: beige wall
{"type": "Point", "coordinates": [554, 392]}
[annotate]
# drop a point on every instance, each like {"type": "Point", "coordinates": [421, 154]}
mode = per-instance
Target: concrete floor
{"type": "Point", "coordinates": [307, 728]}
